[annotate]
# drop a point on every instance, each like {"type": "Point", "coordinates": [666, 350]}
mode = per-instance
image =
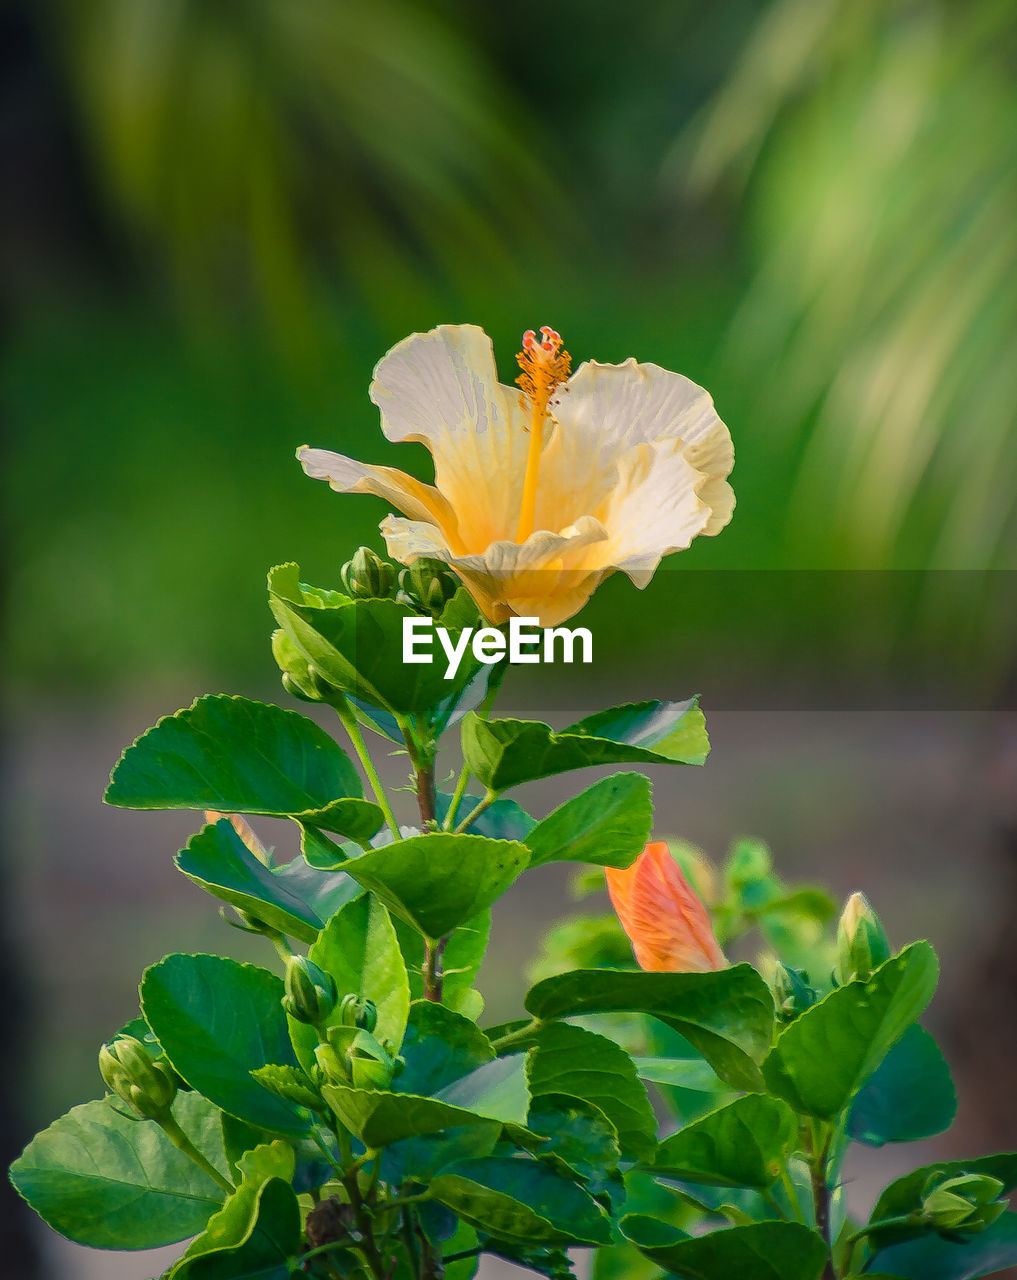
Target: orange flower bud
{"type": "Point", "coordinates": [668, 926]}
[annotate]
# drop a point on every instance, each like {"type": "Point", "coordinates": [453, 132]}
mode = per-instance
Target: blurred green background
{"type": "Point", "coordinates": [219, 215]}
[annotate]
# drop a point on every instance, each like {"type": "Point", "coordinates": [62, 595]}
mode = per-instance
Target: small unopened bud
{"type": "Point", "coordinates": [750, 862]}
{"type": "Point", "coordinates": [792, 994]}
{"type": "Point", "coordinates": [862, 944]}
{"type": "Point", "coordinates": [128, 1070]}
{"type": "Point", "coordinates": [426, 584]}
{"type": "Point", "coordinates": [371, 1064]}
{"type": "Point", "coordinates": [310, 991]}
{"type": "Point", "coordinates": [963, 1205]}
{"type": "Point", "coordinates": [295, 691]}
{"type": "Point", "coordinates": [367, 576]}
{"type": "Point", "coordinates": [358, 1011]}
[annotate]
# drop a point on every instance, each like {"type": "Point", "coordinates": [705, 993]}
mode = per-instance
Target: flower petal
{"type": "Point", "coordinates": [655, 508]}
{"type": "Point", "coordinates": [441, 388]}
{"type": "Point", "coordinates": [603, 413]}
{"type": "Point", "coordinates": [535, 578]}
{"type": "Point", "coordinates": [417, 500]}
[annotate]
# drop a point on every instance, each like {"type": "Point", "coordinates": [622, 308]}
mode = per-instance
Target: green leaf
{"type": "Point", "coordinates": [933, 1258]}
{"type": "Point", "coordinates": [575, 1136]}
{"type": "Point", "coordinates": [889, 1108]}
{"type": "Point", "coordinates": [379, 1118]}
{"type": "Point", "coordinates": [237, 756]}
{"type": "Point", "coordinates": [497, 1089]}
{"type": "Point", "coordinates": [607, 824]}
{"type": "Point", "coordinates": [359, 948]}
{"type": "Point", "coordinates": [435, 882]}
{"type": "Point", "coordinates": [295, 899]}
{"type": "Point", "coordinates": [357, 647]}
{"type": "Point", "coordinates": [217, 1021]}
{"type": "Point", "coordinates": [290, 1083]}
{"type": "Point", "coordinates": [232, 1223]}
{"type": "Point", "coordinates": [571, 1060]}
{"type": "Point", "coordinates": [284, 581]}
{"type": "Point", "coordinates": [502, 820]}
{"type": "Point", "coordinates": [727, 1015]}
{"type": "Point", "coordinates": [111, 1182]}
{"type": "Point", "coordinates": [824, 1057]}
{"type": "Point", "coordinates": [271, 1240]}
{"type": "Point", "coordinates": [502, 1195]}
{"type": "Point", "coordinates": [742, 1144]}
{"type": "Point", "coordinates": [464, 953]}
{"type": "Point", "coordinates": [439, 1047]}
{"type": "Point", "coordinates": [759, 1251]}
{"type": "Point", "coordinates": [505, 753]}
{"type": "Point", "coordinates": [679, 1073]}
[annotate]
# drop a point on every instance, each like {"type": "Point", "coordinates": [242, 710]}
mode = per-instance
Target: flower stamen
{"type": "Point", "coordinates": [543, 365]}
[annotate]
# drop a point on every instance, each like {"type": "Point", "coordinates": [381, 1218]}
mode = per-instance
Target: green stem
{"type": "Point", "coordinates": [457, 799]}
{"type": "Point", "coordinates": [183, 1143]}
{"type": "Point", "coordinates": [475, 813]}
{"type": "Point", "coordinates": [385, 1205]}
{"type": "Point", "coordinates": [901, 1220]}
{"type": "Point", "coordinates": [316, 1135]}
{"type": "Point", "coordinates": [792, 1192]}
{"type": "Point", "coordinates": [349, 723]}
{"type": "Point", "coordinates": [516, 1037]}
{"type": "Point", "coordinates": [483, 713]}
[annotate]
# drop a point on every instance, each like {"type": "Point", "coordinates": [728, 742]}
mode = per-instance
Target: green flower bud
{"type": "Point", "coordinates": [792, 994]}
{"type": "Point", "coordinates": [367, 576]}
{"type": "Point", "coordinates": [371, 1065]}
{"type": "Point", "coordinates": [310, 991]}
{"type": "Point", "coordinates": [862, 944]}
{"type": "Point", "coordinates": [427, 584]}
{"type": "Point", "coordinates": [963, 1205]}
{"type": "Point", "coordinates": [330, 1066]}
{"type": "Point", "coordinates": [129, 1071]}
{"type": "Point", "coordinates": [750, 861]}
{"type": "Point", "coordinates": [295, 691]}
{"type": "Point", "coordinates": [358, 1011]}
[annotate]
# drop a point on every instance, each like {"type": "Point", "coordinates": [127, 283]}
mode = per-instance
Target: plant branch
{"type": "Point", "coordinates": [432, 970]}
{"type": "Point", "coordinates": [820, 1149]}
{"type": "Point", "coordinates": [426, 795]}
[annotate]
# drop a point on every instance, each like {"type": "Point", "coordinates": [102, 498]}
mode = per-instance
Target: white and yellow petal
{"type": "Point", "coordinates": [603, 414]}
{"type": "Point", "coordinates": [441, 388]}
{"type": "Point", "coordinates": [415, 499]}
{"type": "Point", "coordinates": [542, 577]}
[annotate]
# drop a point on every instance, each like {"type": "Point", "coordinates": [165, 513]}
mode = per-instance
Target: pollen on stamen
{"type": "Point", "coordinates": [543, 365]}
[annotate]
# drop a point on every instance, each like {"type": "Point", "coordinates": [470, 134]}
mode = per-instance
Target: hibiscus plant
{"type": "Point", "coordinates": [346, 1110]}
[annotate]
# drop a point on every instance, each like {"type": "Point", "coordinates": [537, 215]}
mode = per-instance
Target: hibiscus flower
{"type": "Point", "coordinates": [542, 490]}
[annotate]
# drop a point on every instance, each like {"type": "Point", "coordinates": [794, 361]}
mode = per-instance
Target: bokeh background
{"type": "Point", "coordinates": [218, 216]}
